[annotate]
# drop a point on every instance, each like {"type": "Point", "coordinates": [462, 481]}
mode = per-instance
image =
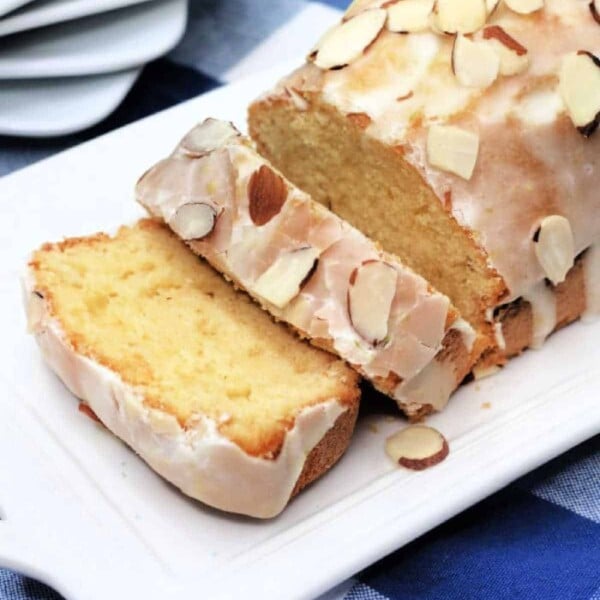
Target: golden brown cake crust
{"type": "Point", "coordinates": [330, 449]}
{"type": "Point", "coordinates": [517, 318]}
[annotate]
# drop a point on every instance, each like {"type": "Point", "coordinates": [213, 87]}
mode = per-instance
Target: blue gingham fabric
{"type": "Point", "coordinates": [537, 539]}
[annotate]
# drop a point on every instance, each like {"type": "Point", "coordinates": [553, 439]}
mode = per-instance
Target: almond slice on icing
{"type": "Point", "coordinates": [409, 16]}
{"type": "Point", "coordinates": [491, 6]}
{"type": "Point", "coordinates": [554, 247]}
{"type": "Point", "coordinates": [348, 40]}
{"type": "Point", "coordinates": [370, 294]}
{"type": "Point", "coordinates": [514, 57]}
{"type": "Point", "coordinates": [452, 149]}
{"type": "Point", "coordinates": [595, 10]}
{"type": "Point", "coordinates": [524, 7]}
{"type": "Point", "coordinates": [193, 221]}
{"type": "Point", "coordinates": [282, 281]}
{"type": "Point", "coordinates": [475, 64]}
{"type": "Point", "coordinates": [579, 86]}
{"type": "Point", "coordinates": [417, 447]}
{"type": "Point", "coordinates": [267, 192]}
{"type": "Point", "coordinates": [459, 16]}
{"type": "Point", "coordinates": [208, 136]}
{"type": "Point", "coordinates": [360, 6]}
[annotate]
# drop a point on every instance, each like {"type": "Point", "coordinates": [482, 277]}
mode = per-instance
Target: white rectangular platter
{"type": "Point", "coordinates": [83, 513]}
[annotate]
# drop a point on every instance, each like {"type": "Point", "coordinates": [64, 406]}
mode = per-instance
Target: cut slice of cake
{"type": "Point", "coordinates": [198, 380]}
{"type": "Point", "coordinates": [461, 135]}
{"type": "Point", "coordinates": [309, 268]}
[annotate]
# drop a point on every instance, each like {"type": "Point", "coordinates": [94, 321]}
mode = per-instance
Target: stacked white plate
{"type": "Point", "coordinates": [67, 64]}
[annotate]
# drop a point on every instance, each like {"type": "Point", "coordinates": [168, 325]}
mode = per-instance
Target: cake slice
{"type": "Point", "coordinates": [461, 135]}
{"type": "Point", "coordinates": [309, 268]}
{"type": "Point", "coordinates": [211, 393]}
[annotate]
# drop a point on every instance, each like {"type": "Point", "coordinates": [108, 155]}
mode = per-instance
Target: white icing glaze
{"type": "Point", "coordinates": [532, 161]}
{"type": "Point", "coordinates": [198, 459]}
{"type": "Point", "coordinates": [433, 385]}
{"type": "Point", "coordinates": [543, 307]}
{"type": "Point", "coordinates": [591, 276]}
{"type": "Point", "coordinates": [243, 251]}
{"type": "Point", "coordinates": [466, 331]}
{"type": "Point", "coordinates": [481, 372]}
{"type": "Point", "coordinates": [499, 335]}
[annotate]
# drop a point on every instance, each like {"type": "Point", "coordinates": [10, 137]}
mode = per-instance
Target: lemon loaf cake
{"type": "Point", "coordinates": [461, 135]}
{"type": "Point", "coordinates": [197, 379]}
{"type": "Point", "coordinates": [309, 268]}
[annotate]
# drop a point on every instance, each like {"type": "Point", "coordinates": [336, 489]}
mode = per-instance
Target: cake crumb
{"type": "Point", "coordinates": [373, 428]}
{"type": "Point", "coordinates": [486, 405]}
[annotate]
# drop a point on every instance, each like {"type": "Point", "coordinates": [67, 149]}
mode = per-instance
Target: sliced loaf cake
{"type": "Point", "coordinates": [460, 134]}
{"type": "Point", "coordinates": [309, 268]}
{"type": "Point", "coordinates": [197, 379]}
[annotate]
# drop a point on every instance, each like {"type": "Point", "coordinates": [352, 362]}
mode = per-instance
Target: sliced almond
{"type": "Point", "coordinates": [359, 6]}
{"type": "Point", "coordinates": [297, 100]}
{"type": "Point", "coordinates": [595, 10]}
{"type": "Point", "coordinates": [491, 6]}
{"type": "Point", "coordinates": [370, 294]}
{"type": "Point", "coordinates": [524, 7]}
{"type": "Point", "coordinates": [409, 16]}
{"type": "Point", "coordinates": [282, 281]}
{"type": "Point", "coordinates": [579, 86]}
{"type": "Point", "coordinates": [347, 41]}
{"type": "Point", "coordinates": [459, 16]}
{"type": "Point", "coordinates": [554, 247]}
{"type": "Point", "coordinates": [514, 57]}
{"type": "Point", "coordinates": [475, 64]}
{"type": "Point", "coordinates": [267, 193]}
{"type": "Point", "coordinates": [193, 221]}
{"type": "Point", "coordinates": [452, 149]}
{"type": "Point", "coordinates": [208, 136]}
{"type": "Point", "coordinates": [417, 447]}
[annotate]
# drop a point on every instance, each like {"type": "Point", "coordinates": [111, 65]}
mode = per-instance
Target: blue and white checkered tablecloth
{"type": "Point", "coordinates": [537, 539]}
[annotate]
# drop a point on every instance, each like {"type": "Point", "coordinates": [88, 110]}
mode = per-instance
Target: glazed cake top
{"type": "Point", "coordinates": [495, 103]}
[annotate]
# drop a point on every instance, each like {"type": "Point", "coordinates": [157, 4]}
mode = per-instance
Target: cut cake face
{"type": "Point", "coordinates": [468, 146]}
{"type": "Point", "coordinates": [312, 270]}
{"type": "Point", "coordinates": [199, 381]}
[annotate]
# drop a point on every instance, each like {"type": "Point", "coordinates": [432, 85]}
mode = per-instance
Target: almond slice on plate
{"type": "Point", "coordinates": [514, 57]}
{"type": "Point", "coordinates": [475, 64]}
{"type": "Point", "coordinates": [595, 10]}
{"type": "Point", "coordinates": [459, 16]}
{"type": "Point", "coordinates": [417, 447]}
{"type": "Point", "coordinates": [579, 87]}
{"type": "Point", "coordinates": [554, 247]}
{"type": "Point", "coordinates": [193, 221]}
{"type": "Point", "coordinates": [370, 294]}
{"type": "Point", "coordinates": [283, 280]}
{"type": "Point", "coordinates": [208, 136]}
{"type": "Point", "coordinates": [524, 7]}
{"type": "Point", "coordinates": [348, 40]}
{"type": "Point", "coordinates": [409, 16]}
{"type": "Point", "coordinates": [267, 193]}
{"type": "Point", "coordinates": [452, 149]}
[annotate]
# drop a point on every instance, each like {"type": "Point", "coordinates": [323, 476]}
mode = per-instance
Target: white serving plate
{"type": "Point", "coordinates": [99, 44]}
{"type": "Point", "coordinates": [50, 107]}
{"type": "Point", "coordinates": [84, 514]}
{"type": "Point", "coordinates": [57, 11]}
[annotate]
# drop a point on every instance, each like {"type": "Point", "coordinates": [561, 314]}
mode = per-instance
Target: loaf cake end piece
{"type": "Point", "coordinates": [213, 395]}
